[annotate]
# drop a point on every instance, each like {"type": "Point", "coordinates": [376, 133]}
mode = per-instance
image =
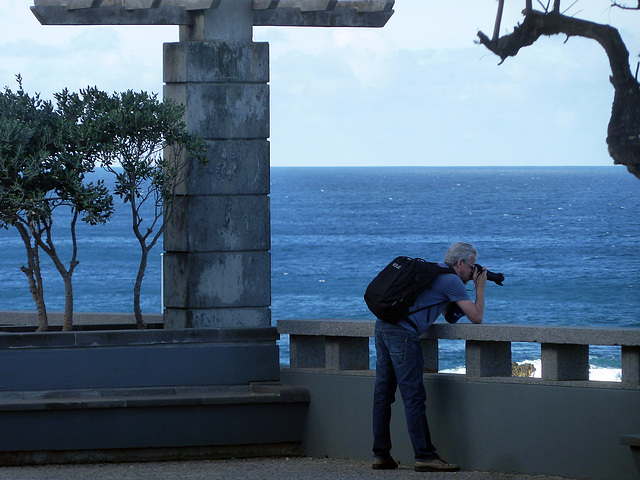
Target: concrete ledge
{"type": "Point", "coordinates": [330, 328]}
{"type": "Point", "coordinates": [538, 334]}
{"type": "Point", "coordinates": [486, 332]}
{"type": "Point", "coordinates": [136, 337]}
{"type": "Point", "coordinates": [102, 320]}
{"type": "Point", "coordinates": [89, 420]}
{"type": "Point", "coordinates": [343, 345]}
{"type": "Point", "coordinates": [138, 358]}
{"type": "Point", "coordinates": [73, 399]}
{"type": "Point", "coordinates": [108, 15]}
{"type": "Point", "coordinates": [344, 17]}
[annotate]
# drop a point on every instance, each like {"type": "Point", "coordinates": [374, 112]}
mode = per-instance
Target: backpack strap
{"type": "Point", "coordinates": [443, 270]}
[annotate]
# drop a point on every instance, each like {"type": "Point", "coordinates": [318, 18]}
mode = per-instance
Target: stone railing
{"type": "Point", "coordinates": [340, 345]}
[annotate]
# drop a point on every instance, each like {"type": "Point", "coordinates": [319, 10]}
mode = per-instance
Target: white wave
{"type": "Point", "coordinates": [457, 370]}
{"type": "Point", "coordinates": [603, 374]}
{"type": "Point", "coordinates": [596, 374]}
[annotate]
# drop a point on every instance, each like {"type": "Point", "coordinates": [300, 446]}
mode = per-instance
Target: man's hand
{"type": "Point", "coordinates": [480, 278]}
{"type": "Point", "coordinates": [475, 310]}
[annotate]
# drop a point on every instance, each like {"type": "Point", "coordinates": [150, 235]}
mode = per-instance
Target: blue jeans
{"type": "Point", "coordinates": [400, 364]}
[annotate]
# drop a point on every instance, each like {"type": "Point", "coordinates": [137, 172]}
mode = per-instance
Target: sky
{"type": "Point", "coordinates": [418, 92]}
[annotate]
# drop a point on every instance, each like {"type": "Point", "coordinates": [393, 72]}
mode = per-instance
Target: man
{"type": "Point", "coordinates": [400, 362]}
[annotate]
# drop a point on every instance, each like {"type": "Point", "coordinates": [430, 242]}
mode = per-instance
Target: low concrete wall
{"type": "Point", "coordinates": [94, 320]}
{"type": "Point", "coordinates": [523, 427]}
{"type": "Point", "coordinates": [137, 358]}
{"type": "Point", "coordinates": [145, 394]}
{"type": "Point", "coordinates": [485, 420]}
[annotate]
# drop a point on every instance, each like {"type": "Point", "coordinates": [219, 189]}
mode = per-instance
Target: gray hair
{"type": "Point", "coordinates": [457, 251]}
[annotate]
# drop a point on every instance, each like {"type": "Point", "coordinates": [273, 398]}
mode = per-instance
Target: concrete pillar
{"type": "Point", "coordinates": [430, 354]}
{"type": "Point", "coordinates": [329, 352]}
{"type": "Point", "coordinates": [631, 365]}
{"type": "Point", "coordinates": [488, 359]}
{"type": "Point", "coordinates": [217, 268]}
{"type": "Point", "coordinates": [564, 361]}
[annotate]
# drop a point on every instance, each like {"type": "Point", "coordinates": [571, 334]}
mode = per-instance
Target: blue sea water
{"type": "Point", "coordinates": [567, 239]}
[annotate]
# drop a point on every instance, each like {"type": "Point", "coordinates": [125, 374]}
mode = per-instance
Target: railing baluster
{"type": "Point", "coordinates": [329, 352]}
{"type": "Point", "coordinates": [430, 354]}
{"type": "Point", "coordinates": [488, 358]}
{"type": "Point", "coordinates": [631, 365]}
{"type": "Point", "coordinates": [347, 353]}
{"type": "Point", "coordinates": [564, 361]}
{"type": "Point", "coordinates": [336, 345]}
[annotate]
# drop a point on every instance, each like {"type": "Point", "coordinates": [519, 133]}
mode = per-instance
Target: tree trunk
{"type": "Point", "coordinates": [49, 248]}
{"type": "Point", "coordinates": [137, 288]}
{"type": "Point", "coordinates": [34, 277]}
{"type": "Point", "coordinates": [68, 303]}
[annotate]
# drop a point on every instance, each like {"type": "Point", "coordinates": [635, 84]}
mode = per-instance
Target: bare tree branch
{"type": "Point", "coordinates": [624, 7]}
{"type": "Point", "coordinates": [624, 126]}
{"type": "Point", "coordinates": [496, 29]}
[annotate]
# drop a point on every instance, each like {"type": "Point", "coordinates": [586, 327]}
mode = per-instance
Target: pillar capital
{"type": "Point", "coordinates": [232, 21]}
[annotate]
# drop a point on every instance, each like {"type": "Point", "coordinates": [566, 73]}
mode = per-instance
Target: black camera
{"type": "Point", "coordinates": [498, 278]}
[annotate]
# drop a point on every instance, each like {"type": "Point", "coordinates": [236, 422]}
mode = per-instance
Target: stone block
{"type": "Point", "coordinates": [488, 359]}
{"type": "Point", "coordinates": [218, 223]}
{"type": "Point", "coordinates": [178, 318]}
{"type": "Point", "coordinates": [232, 167]}
{"type": "Point", "coordinates": [212, 62]}
{"type": "Point", "coordinates": [307, 351]}
{"type": "Point", "coordinates": [138, 359]}
{"type": "Point", "coordinates": [430, 354]}
{"type": "Point", "coordinates": [335, 328]}
{"type": "Point", "coordinates": [330, 353]}
{"type": "Point", "coordinates": [229, 20]}
{"type": "Point", "coordinates": [347, 353]}
{"type": "Point", "coordinates": [223, 111]}
{"type": "Point", "coordinates": [218, 279]}
{"type": "Point", "coordinates": [631, 365]}
{"type": "Point", "coordinates": [564, 362]}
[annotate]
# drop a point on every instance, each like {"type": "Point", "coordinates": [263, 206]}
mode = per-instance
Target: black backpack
{"type": "Point", "coordinates": [395, 289]}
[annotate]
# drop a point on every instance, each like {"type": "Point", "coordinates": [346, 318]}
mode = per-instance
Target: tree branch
{"type": "Point", "coordinates": [496, 28]}
{"type": "Point", "coordinates": [537, 24]}
{"type": "Point", "coordinates": [624, 7]}
{"type": "Point", "coordinates": [624, 126]}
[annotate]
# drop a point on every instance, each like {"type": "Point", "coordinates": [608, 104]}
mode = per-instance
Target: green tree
{"type": "Point", "coordinates": [26, 138]}
{"type": "Point", "coordinates": [623, 135]}
{"type": "Point", "coordinates": [45, 155]}
{"type": "Point", "coordinates": [139, 129]}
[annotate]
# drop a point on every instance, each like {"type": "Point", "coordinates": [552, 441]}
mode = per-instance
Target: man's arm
{"type": "Point", "coordinates": [475, 310]}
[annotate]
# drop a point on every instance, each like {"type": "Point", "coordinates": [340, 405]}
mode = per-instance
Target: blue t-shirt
{"type": "Point", "coordinates": [445, 289]}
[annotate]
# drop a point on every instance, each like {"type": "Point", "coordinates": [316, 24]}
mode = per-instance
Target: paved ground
{"type": "Point", "coordinates": [251, 469]}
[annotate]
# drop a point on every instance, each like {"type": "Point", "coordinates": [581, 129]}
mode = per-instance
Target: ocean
{"type": "Point", "coordinates": [566, 238]}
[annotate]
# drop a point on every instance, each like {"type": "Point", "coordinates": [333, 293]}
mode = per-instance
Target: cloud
{"type": "Point", "coordinates": [419, 91]}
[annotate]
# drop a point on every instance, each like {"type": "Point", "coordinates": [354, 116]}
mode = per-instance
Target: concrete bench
{"type": "Point", "coordinates": [65, 396]}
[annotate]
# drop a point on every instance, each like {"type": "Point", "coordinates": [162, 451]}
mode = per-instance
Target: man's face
{"type": "Point", "coordinates": [468, 269]}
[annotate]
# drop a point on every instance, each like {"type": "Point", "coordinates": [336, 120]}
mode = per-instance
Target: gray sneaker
{"type": "Point", "coordinates": [386, 463]}
{"type": "Point", "coordinates": [435, 465]}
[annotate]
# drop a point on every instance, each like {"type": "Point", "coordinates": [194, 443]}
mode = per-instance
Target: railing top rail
{"type": "Point", "coordinates": [486, 332]}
